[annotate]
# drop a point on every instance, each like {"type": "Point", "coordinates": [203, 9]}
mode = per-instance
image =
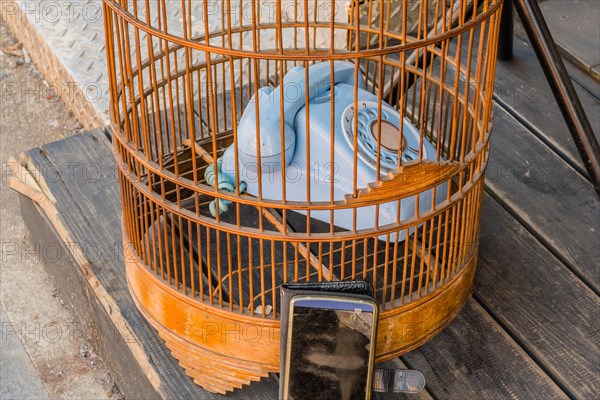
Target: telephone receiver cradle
{"type": "Point", "coordinates": [319, 172]}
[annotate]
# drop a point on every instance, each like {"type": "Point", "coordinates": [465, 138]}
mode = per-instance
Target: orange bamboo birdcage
{"type": "Point", "coordinates": [260, 142]}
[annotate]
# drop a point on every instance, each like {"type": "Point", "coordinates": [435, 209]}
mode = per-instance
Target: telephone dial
{"type": "Point", "coordinates": [320, 172]}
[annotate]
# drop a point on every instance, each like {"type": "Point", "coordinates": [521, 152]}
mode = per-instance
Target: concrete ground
{"type": "Point", "coordinates": [44, 351]}
{"type": "Point", "coordinates": [18, 376]}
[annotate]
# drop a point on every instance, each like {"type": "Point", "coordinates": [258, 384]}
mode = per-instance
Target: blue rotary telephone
{"type": "Point", "coordinates": [320, 171]}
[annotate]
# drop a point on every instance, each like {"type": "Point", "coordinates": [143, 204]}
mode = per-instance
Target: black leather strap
{"type": "Point", "coordinates": [341, 287]}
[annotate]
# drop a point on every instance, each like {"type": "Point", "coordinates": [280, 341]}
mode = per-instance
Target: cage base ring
{"type": "Point", "coordinates": [221, 353]}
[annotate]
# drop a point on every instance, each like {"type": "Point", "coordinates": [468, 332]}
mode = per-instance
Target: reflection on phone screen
{"type": "Point", "coordinates": [330, 352]}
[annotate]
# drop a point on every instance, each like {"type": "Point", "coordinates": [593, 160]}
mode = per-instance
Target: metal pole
{"type": "Point", "coordinates": [562, 87]}
{"type": "Point", "coordinates": [505, 39]}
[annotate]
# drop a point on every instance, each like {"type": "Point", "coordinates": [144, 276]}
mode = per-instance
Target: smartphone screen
{"type": "Point", "coordinates": [330, 349]}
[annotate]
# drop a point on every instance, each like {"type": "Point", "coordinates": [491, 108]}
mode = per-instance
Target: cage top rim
{"type": "Point", "coordinates": [295, 56]}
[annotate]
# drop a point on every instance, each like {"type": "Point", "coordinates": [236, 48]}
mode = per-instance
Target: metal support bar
{"type": "Point", "coordinates": [561, 85]}
{"type": "Point", "coordinates": [506, 34]}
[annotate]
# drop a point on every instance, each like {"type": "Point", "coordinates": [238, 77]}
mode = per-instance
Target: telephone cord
{"type": "Point", "coordinates": [224, 183]}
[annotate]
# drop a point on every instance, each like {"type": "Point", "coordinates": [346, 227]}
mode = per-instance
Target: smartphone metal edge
{"type": "Point", "coordinates": [290, 328]}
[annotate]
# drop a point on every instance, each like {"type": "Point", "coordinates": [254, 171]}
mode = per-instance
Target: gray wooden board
{"type": "Point", "coordinates": [109, 339]}
{"type": "Point", "coordinates": [553, 201]}
{"type": "Point", "coordinates": [473, 358]}
{"type": "Point", "coordinates": [522, 89]}
{"type": "Point", "coordinates": [585, 81]}
{"type": "Point", "coordinates": [575, 26]}
{"type": "Point", "coordinates": [90, 208]}
{"type": "Point", "coordinates": [549, 311]}
{"type": "Point", "coordinates": [578, 75]}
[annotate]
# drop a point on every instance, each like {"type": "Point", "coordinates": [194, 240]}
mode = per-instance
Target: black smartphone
{"type": "Point", "coordinates": [330, 347]}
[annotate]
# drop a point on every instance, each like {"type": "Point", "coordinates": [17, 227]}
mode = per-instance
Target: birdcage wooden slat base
{"type": "Point", "coordinates": [222, 351]}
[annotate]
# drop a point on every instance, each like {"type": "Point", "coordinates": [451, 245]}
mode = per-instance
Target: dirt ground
{"type": "Point", "coordinates": [56, 343]}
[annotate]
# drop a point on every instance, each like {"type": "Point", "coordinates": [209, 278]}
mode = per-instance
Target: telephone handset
{"type": "Point", "coordinates": [294, 98]}
{"type": "Point", "coordinates": [319, 173]}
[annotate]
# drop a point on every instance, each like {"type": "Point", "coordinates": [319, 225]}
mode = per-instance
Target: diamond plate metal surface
{"type": "Point", "coordinates": [74, 31]}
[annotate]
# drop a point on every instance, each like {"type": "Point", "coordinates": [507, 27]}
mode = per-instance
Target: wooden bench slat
{"type": "Point", "coordinates": [521, 87]}
{"type": "Point", "coordinates": [545, 307]}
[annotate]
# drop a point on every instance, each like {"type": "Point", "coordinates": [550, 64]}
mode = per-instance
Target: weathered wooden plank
{"type": "Point", "coordinates": [522, 89]}
{"type": "Point", "coordinates": [575, 26]}
{"type": "Point", "coordinates": [89, 205]}
{"type": "Point", "coordinates": [547, 195]}
{"type": "Point", "coordinates": [473, 358]}
{"type": "Point", "coordinates": [109, 339]}
{"type": "Point", "coordinates": [583, 80]}
{"type": "Point", "coordinates": [548, 310]}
